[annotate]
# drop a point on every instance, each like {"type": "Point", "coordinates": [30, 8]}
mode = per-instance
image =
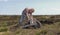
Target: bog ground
{"type": "Point", "coordinates": [50, 25]}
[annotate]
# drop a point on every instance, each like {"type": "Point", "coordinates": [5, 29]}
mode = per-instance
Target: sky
{"type": "Point", "coordinates": [42, 7]}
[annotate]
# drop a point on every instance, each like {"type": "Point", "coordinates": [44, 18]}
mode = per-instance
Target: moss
{"type": "Point", "coordinates": [2, 29]}
{"type": "Point", "coordinates": [37, 33]}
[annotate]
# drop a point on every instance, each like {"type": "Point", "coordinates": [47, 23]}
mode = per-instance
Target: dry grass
{"type": "Point", "coordinates": [11, 21]}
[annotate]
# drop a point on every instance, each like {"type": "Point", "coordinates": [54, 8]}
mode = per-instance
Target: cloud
{"type": "Point", "coordinates": [58, 9]}
{"type": "Point", "coordinates": [51, 11]}
{"type": "Point", "coordinates": [4, 0]}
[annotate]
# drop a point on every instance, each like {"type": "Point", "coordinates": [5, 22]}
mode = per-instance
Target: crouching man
{"type": "Point", "coordinates": [32, 22]}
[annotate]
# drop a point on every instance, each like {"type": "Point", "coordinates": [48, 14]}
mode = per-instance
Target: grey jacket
{"type": "Point", "coordinates": [25, 16]}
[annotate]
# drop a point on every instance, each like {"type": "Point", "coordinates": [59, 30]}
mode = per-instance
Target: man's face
{"type": "Point", "coordinates": [31, 11]}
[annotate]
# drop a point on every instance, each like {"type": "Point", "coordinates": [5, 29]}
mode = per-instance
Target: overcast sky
{"type": "Point", "coordinates": [42, 7]}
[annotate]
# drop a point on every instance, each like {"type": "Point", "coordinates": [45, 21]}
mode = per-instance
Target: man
{"type": "Point", "coordinates": [27, 13]}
